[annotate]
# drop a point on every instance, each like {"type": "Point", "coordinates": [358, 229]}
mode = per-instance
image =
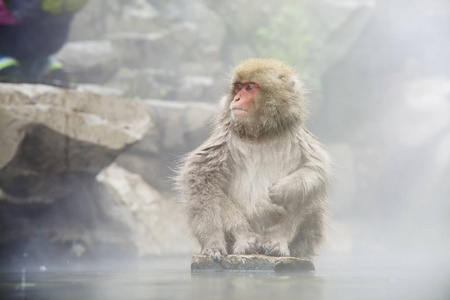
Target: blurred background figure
{"type": "Point", "coordinates": [31, 31]}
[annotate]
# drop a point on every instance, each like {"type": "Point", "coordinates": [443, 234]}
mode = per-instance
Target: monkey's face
{"type": "Point", "coordinates": [265, 98]}
{"type": "Point", "coordinates": [244, 103]}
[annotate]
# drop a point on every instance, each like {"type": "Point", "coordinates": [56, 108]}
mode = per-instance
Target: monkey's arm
{"type": "Point", "coordinates": [310, 178]}
{"type": "Point", "coordinates": [303, 195]}
{"type": "Point", "coordinates": [201, 180]}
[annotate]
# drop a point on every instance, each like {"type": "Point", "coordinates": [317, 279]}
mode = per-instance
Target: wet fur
{"type": "Point", "coordinates": [259, 185]}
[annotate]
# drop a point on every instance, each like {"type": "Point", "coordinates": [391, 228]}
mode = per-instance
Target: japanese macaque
{"type": "Point", "coordinates": [258, 184]}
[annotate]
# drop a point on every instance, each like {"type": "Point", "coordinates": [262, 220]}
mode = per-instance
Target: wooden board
{"type": "Point", "coordinates": [251, 263]}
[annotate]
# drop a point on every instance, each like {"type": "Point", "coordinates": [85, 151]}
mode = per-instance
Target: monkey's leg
{"type": "Point", "coordinates": [302, 194]}
{"type": "Point", "coordinates": [277, 237]}
{"type": "Point", "coordinates": [299, 232]}
{"type": "Point", "coordinates": [235, 223]}
{"type": "Point", "coordinates": [309, 236]}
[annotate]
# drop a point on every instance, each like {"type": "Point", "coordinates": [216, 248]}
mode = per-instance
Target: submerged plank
{"type": "Point", "coordinates": [251, 263]}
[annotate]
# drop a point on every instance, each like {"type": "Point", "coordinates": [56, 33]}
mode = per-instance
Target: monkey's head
{"type": "Point", "coordinates": [265, 98]}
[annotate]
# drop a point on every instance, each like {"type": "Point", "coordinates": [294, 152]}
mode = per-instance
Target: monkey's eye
{"type": "Point", "coordinates": [237, 87]}
{"type": "Point", "coordinates": [250, 86]}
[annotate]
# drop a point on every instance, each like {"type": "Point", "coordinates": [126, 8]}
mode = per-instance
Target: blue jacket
{"type": "Point", "coordinates": [25, 9]}
{"type": "Point", "coordinates": [41, 30]}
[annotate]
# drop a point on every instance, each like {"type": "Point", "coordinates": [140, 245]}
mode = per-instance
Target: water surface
{"type": "Point", "coordinates": [169, 277]}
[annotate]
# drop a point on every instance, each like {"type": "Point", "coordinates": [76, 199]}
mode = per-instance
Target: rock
{"type": "Point", "coordinates": [157, 225]}
{"type": "Point", "coordinates": [193, 24]}
{"type": "Point", "coordinates": [236, 18]}
{"type": "Point", "coordinates": [172, 10]}
{"type": "Point", "coordinates": [104, 18]}
{"type": "Point", "coordinates": [146, 83]}
{"type": "Point", "coordinates": [200, 67]}
{"type": "Point", "coordinates": [179, 128]}
{"type": "Point", "coordinates": [198, 88]}
{"type": "Point", "coordinates": [346, 22]}
{"type": "Point", "coordinates": [196, 35]}
{"type": "Point", "coordinates": [89, 61]}
{"type": "Point", "coordinates": [76, 219]}
{"type": "Point", "coordinates": [251, 263]}
{"type": "Point", "coordinates": [47, 133]}
{"type": "Point", "coordinates": [97, 89]}
{"type": "Point", "coordinates": [53, 143]}
{"type": "Point", "coordinates": [163, 84]}
{"type": "Point", "coordinates": [145, 50]}
{"type": "Point", "coordinates": [239, 52]}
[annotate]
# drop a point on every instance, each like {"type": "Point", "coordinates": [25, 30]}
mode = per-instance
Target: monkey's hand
{"type": "Point", "coordinates": [274, 247]}
{"type": "Point", "coordinates": [278, 192]}
{"type": "Point", "coordinates": [248, 243]}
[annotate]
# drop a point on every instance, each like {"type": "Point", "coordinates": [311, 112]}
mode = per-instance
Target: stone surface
{"type": "Point", "coordinates": [179, 128]}
{"type": "Point", "coordinates": [53, 143]}
{"type": "Point", "coordinates": [157, 225]}
{"type": "Point", "coordinates": [201, 38]}
{"type": "Point", "coordinates": [165, 84]}
{"type": "Point", "coordinates": [89, 61]}
{"type": "Point", "coordinates": [146, 83]}
{"type": "Point", "coordinates": [47, 133]}
{"type": "Point", "coordinates": [197, 33]}
{"type": "Point", "coordinates": [251, 263]}
{"type": "Point", "coordinates": [74, 217]}
{"type": "Point", "coordinates": [105, 17]}
{"type": "Point", "coordinates": [140, 50]}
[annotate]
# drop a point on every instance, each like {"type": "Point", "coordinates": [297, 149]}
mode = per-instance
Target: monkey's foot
{"type": "Point", "coordinates": [215, 253]}
{"type": "Point", "coordinates": [250, 263]}
{"type": "Point", "coordinates": [247, 245]}
{"type": "Point", "coordinates": [276, 248]}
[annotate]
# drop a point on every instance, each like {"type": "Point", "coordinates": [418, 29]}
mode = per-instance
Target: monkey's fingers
{"type": "Point", "coordinates": [260, 249]}
{"type": "Point", "coordinates": [275, 248]}
{"type": "Point", "coordinates": [269, 248]}
{"type": "Point", "coordinates": [274, 252]}
{"type": "Point", "coordinates": [215, 254]}
{"type": "Point", "coordinates": [254, 248]}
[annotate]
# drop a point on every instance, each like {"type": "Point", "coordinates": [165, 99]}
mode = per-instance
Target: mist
{"type": "Point", "coordinates": [377, 74]}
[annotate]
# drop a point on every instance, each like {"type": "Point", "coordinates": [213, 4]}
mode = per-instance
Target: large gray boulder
{"type": "Point", "coordinates": [46, 131]}
{"type": "Point", "coordinates": [53, 143]}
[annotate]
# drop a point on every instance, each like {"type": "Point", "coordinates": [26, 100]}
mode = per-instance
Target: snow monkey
{"type": "Point", "coordinates": [258, 184]}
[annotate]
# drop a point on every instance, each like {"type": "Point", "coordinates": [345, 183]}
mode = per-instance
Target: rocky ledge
{"type": "Point", "coordinates": [251, 263]}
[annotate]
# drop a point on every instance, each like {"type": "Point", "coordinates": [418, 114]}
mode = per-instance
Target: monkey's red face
{"type": "Point", "coordinates": [243, 103]}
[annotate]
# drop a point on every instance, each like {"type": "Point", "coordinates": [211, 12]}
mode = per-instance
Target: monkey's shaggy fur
{"type": "Point", "coordinates": [258, 184]}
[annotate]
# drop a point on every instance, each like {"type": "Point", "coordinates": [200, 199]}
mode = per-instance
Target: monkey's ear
{"type": "Point", "coordinates": [287, 79]}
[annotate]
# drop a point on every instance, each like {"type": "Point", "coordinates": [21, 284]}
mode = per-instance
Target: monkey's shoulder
{"type": "Point", "coordinates": [210, 150]}
{"type": "Point", "coordinates": [306, 137]}
{"type": "Point", "coordinates": [304, 133]}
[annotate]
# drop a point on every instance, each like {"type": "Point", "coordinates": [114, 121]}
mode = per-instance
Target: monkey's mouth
{"type": "Point", "coordinates": [238, 108]}
{"type": "Point", "coordinates": [239, 112]}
